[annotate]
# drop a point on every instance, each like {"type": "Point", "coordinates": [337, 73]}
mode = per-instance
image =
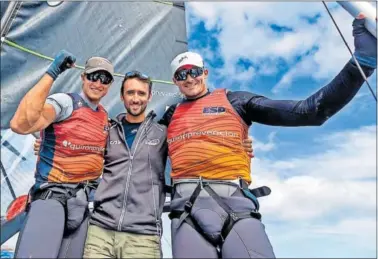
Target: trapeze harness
{"type": "Point", "coordinates": [232, 216]}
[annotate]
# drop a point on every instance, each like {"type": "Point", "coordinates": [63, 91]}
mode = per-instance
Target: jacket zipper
{"type": "Point", "coordinates": [129, 173]}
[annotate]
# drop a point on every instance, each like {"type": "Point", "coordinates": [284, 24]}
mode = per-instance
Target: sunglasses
{"type": "Point", "coordinates": [138, 74]}
{"type": "Point", "coordinates": [104, 77]}
{"type": "Point", "coordinates": [182, 74]}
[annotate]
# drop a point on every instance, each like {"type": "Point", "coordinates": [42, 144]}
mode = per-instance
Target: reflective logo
{"type": "Point", "coordinates": [72, 146]}
{"type": "Point", "coordinates": [115, 142]}
{"type": "Point", "coordinates": [153, 142]}
{"type": "Point", "coordinates": [213, 110]}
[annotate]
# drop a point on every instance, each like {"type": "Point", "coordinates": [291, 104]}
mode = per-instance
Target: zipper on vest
{"type": "Point", "coordinates": [119, 228]}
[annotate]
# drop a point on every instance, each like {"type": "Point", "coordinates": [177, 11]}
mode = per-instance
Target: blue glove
{"type": "Point", "coordinates": [64, 60]}
{"type": "Point", "coordinates": [365, 45]}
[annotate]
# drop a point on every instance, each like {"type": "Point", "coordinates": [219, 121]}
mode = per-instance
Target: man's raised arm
{"type": "Point", "coordinates": [33, 114]}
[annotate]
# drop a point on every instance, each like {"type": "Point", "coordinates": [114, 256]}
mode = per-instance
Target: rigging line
{"type": "Point", "coordinates": [163, 2]}
{"type": "Point", "coordinates": [350, 51]}
{"type": "Point", "coordinates": [15, 45]}
{"type": "Point", "coordinates": [10, 187]}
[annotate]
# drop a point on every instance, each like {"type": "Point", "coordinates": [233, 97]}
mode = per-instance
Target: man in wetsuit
{"type": "Point", "coordinates": [74, 129]}
{"type": "Point", "coordinates": [213, 212]}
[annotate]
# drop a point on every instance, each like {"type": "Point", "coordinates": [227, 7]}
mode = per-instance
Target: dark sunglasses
{"type": "Point", "coordinates": [104, 77]}
{"type": "Point", "coordinates": [182, 74]}
{"type": "Point", "coordinates": [137, 74]}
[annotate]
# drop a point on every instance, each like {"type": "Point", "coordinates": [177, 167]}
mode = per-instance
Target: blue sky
{"type": "Point", "coordinates": [323, 179]}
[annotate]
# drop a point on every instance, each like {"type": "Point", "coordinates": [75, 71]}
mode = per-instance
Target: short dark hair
{"type": "Point", "coordinates": [138, 75]}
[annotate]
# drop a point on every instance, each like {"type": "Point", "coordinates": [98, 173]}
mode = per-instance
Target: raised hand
{"type": "Point", "coordinates": [63, 60]}
{"type": "Point", "coordinates": [365, 43]}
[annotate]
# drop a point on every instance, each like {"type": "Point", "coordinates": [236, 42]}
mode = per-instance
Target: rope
{"type": "Point", "coordinates": [163, 2]}
{"type": "Point", "coordinates": [15, 45]}
{"type": "Point", "coordinates": [350, 51]}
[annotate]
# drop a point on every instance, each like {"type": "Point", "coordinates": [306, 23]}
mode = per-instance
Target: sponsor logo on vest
{"type": "Point", "coordinates": [153, 142]}
{"type": "Point", "coordinates": [189, 135]}
{"type": "Point", "coordinates": [115, 142]}
{"type": "Point", "coordinates": [215, 110]}
{"type": "Point", "coordinates": [82, 147]}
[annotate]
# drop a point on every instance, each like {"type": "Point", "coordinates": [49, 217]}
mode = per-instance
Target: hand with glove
{"type": "Point", "coordinates": [365, 44]}
{"type": "Point", "coordinates": [63, 60]}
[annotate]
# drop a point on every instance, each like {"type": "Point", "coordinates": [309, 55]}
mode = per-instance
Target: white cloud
{"type": "Point", "coordinates": [348, 238]}
{"type": "Point", "coordinates": [299, 70]}
{"type": "Point", "coordinates": [259, 146]}
{"type": "Point", "coordinates": [244, 32]}
{"type": "Point", "coordinates": [349, 227]}
{"type": "Point", "coordinates": [318, 185]}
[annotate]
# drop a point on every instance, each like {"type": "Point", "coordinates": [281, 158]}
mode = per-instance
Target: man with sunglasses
{"type": "Point", "coordinates": [74, 129]}
{"type": "Point", "coordinates": [126, 219]}
{"type": "Point", "coordinates": [213, 212]}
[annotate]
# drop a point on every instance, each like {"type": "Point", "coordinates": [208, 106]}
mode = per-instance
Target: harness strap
{"type": "Point", "coordinates": [63, 197]}
{"type": "Point", "coordinates": [232, 217]}
{"type": "Point", "coordinates": [189, 204]}
{"type": "Point", "coordinates": [261, 191]}
{"type": "Point", "coordinates": [255, 193]}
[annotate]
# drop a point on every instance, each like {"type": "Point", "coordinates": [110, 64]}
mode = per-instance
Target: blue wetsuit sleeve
{"type": "Point", "coordinates": [313, 111]}
{"type": "Point", "coordinates": [62, 104]}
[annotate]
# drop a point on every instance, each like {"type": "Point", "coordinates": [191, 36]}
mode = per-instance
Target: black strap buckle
{"type": "Point", "coordinates": [46, 195]}
{"type": "Point", "coordinates": [256, 215]}
{"type": "Point", "coordinates": [233, 216]}
{"type": "Point", "coordinates": [188, 206]}
{"type": "Point", "coordinates": [261, 191]}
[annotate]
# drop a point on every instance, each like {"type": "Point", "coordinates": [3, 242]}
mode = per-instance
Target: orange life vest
{"type": "Point", "coordinates": [72, 150]}
{"type": "Point", "coordinates": [205, 139]}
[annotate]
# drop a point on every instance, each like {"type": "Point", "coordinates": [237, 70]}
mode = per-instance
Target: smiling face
{"type": "Point", "coordinates": [191, 81]}
{"type": "Point", "coordinates": [97, 86]}
{"type": "Point", "coordinates": [135, 96]}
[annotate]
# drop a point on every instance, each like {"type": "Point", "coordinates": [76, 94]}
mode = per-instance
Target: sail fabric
{"type": "Point", "coordinates": [143, 36]}
{"type": "Point", "coordinates": [17, 168]}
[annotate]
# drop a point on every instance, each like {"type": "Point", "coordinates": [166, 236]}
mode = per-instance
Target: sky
{"type": "Point", "coordinates": [323, 179]}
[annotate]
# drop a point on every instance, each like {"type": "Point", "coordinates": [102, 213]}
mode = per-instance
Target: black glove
{"type": "Point", "coordinates": [64, 60]}
{"type": "Point", "coordinates": [365, 44]}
